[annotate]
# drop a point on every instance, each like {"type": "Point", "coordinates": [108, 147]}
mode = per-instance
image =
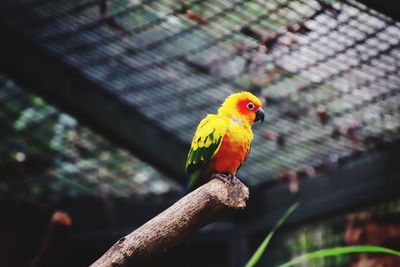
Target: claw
{"type": "Point", "coordinates": [221, 176]}
{"type": "Point", "coordinates": [225, 177]}
{"type": "Point", "coordinates": [231, 178]}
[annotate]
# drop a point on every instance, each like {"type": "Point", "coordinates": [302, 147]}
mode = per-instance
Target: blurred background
{"type": "Point", "coordinates": [99, 100]}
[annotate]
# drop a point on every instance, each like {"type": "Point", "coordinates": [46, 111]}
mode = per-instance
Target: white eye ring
{"type": "Point", "coordinates": [250, 106]}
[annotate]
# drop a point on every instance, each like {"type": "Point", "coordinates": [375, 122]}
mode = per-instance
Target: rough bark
{"type": "Point", "coordinates": [173, 225]}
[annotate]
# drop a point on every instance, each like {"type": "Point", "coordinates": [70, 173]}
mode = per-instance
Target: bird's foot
{"type": "Point", "coordinates": [228, 178]}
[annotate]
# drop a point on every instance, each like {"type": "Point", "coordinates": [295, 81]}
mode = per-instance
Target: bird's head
{"type": "Point", "coordinates": [242, 107]}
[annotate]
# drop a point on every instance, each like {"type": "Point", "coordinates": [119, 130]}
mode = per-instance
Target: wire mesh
{"type": "Point", "coordinates": [47, 154]}
{"type": "Point", "coordinates": [328, 70]}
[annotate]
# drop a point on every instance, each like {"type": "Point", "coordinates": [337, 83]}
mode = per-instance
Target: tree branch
{"type": "Point", "coordinates": [173, 225]}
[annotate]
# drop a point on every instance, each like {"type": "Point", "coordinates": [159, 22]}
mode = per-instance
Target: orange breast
{"type": "Point", "coordinates": [230, 155]}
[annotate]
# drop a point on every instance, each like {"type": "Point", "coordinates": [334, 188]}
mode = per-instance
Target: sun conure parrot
{"type": "Point", "coordinates": [222, 142]}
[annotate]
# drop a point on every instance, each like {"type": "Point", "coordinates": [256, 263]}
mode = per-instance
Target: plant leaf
{"type": "Point", "coordinates": [339, 251]}
{"type": "Point", "coordinates": [260, 250]}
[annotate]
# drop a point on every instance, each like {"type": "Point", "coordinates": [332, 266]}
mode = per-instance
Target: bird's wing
{"type": "Point", "coordinates": [205, 144]}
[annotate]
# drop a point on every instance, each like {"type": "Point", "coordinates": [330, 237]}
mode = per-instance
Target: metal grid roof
{"type": "Point", "coordinates": [47, 154]}
{"type": "Point", "coordinates": [328, 70]}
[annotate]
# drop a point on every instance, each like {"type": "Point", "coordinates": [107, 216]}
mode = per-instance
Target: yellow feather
{"type": "Point", "coordinates": [229, 109]}
{"type": "Point", "coordinates": [211, 124]}
{"type": "Point", "coordinates": [209, 137]}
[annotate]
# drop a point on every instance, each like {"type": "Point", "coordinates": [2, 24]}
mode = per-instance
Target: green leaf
{"type": "Point", "coordinates": [339, 251]}
{"type": "Point", "coordinates": [260, 250]}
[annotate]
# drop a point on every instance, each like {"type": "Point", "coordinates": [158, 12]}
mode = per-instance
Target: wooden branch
{"type": "Point", "coordinates": [173, 225]}
{"type": "Point", "coordinates": [54, 246]}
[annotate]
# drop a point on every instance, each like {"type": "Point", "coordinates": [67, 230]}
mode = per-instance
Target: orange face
{"type": "Point", "coordinates": [251, 109]}
{"type": "Point", "coordinates": [243, 105]}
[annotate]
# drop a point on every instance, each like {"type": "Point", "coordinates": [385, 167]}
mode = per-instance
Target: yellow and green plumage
{"type": "Point", "coordinates": [222, 142]}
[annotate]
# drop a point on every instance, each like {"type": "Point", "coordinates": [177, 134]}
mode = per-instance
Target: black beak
{"type": "Point", "coordinates": [259, 115]}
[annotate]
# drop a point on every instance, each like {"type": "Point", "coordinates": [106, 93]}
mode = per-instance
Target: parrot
{"type": "Point", "coordinates": [221, 142]}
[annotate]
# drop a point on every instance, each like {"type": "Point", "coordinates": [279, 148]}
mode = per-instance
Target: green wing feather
{"type": "Point", "coordinates": [205, 144]}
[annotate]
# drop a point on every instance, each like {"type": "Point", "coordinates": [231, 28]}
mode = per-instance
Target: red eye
{"type": "Point", "coordinates": [250, 106]}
